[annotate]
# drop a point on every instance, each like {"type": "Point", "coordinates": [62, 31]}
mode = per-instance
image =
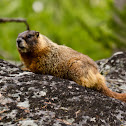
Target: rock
{"type": "Point", "coordinates": [28, 99]}
{"type": "Point", "coordinates": [114, 69]}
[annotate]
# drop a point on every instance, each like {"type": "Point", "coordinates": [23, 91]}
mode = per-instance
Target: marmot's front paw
{"type": "Point", "coordinates": [25, 69]}
{"type": "Point", "coordinates": [22, 67]}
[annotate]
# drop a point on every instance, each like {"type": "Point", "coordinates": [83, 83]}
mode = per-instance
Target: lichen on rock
{"type": "Point", "coordinates": [32, 99]}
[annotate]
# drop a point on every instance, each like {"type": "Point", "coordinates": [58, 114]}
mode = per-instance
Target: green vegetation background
{"type": "Point", "coordinates": [85, 25]}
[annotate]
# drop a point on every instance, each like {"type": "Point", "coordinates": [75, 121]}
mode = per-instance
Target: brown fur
{"type": "Point", "coordinates": [41, 55]}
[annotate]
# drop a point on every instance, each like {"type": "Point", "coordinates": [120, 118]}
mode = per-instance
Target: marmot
{"type": "Point", "coordinates": [40, 55]}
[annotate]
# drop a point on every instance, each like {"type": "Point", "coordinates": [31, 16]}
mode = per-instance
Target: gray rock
{"type": "Point", "coordinates": [28, 99]}
{"type": "Point", "coordinates": [114, 69]}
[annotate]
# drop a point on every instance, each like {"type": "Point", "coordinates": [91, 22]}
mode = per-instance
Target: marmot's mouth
{"type": "Point", "coordinates": [21, 47]}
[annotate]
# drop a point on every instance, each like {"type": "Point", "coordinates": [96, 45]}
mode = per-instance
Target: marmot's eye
{"type": "Point", "coordinates": [29, 36]}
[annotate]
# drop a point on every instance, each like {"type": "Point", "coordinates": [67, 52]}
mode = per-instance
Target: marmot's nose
{"type": "Point", "coordinates": [19, 41]}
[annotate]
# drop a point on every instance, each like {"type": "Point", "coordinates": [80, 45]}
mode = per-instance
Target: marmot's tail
{"type": "Point", "coordinates": [101, 86]}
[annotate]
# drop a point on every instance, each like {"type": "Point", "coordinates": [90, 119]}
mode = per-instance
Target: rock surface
{"type": "Point", "coordinates": [28, 99]}
{"type": "Point", "coordinates": [114, 69]}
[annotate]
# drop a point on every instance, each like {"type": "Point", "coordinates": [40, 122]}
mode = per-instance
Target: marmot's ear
{"type": "Point", "coordinates": [37, 34]}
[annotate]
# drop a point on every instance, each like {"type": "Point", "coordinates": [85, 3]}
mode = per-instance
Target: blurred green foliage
{"type": "Point", "coordinates": [118, 25]}
{"type": "Point", "coordinates": [84, 25]}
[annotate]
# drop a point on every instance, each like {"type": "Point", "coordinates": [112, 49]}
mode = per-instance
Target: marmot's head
{"type": "Point", "coordinates": [28, 41]}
